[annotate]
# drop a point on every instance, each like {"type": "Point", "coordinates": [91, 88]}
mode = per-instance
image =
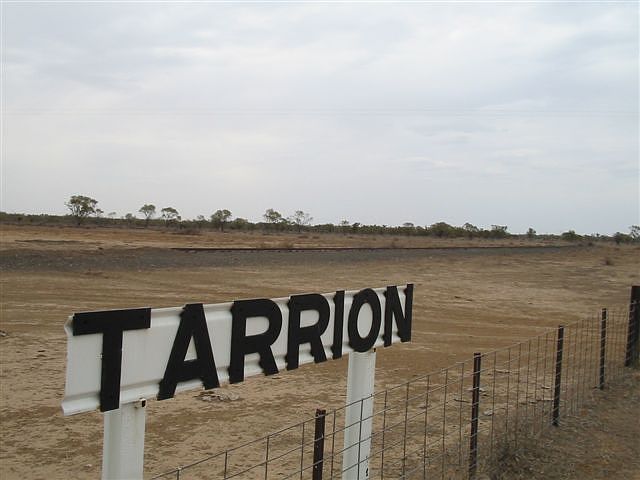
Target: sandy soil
{"type": "Point", "coordinates": [465, 301]}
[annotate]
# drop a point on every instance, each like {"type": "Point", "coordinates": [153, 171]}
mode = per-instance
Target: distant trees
{"type": "Point", "coordinates": [148, 210]}
{"type": "Point", "coordinates": [242, 224]}
{"type": "Point", "coordinates": [272, 216]}
{"type": "Point", "coordinates": [441, 229]}
{"type": "Point", "coordinates": [169, 214]}
{"type": "Point", "coordinates": [499, 231]}
{"type": "Point", "coordinates": [444, 230]}
{"type": "Point", "coordinates": [201, 221]}
{"type": "Point", "coordinates": [620, 237]}
{"type": "Point", "coordinates": [407, 228]}
{"type": "Point", "coordinates": [300, 219]}
{"type": "Point", "coordinates": [570, 236]}
{"type": "Point", "coordinates": [130, 218]}
{"type": "Point", "coordinates": [632, 236]}
{"type": "Point", "coordinates": [81, 207]}
{"type": "Point", "coordinates": [220, 218]}
{"type": "Point", "coordinates": [471, 229]}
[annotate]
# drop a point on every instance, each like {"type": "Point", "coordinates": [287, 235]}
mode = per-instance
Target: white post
{"type": "Point", "coordinates": [123, 448]}
{"type": "Point", "coordinates": [357, 435]}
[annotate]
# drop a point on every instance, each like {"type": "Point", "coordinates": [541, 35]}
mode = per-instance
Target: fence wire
{"type": "Point", "coordinates": [451, 423]}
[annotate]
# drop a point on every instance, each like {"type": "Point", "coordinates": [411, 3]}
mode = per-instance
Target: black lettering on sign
{"type": "Point", "coordinates": [358, 343]}
{"type": "Point", "coordinates": [241, 344]}
{"type": "Point", "coordinates": [111, 324]}
{"type": "Point", "coordinates": [393, 309]}
{"type": "Point", "coordinates": [338, 322]}
{"type": "Point", "coordinates": [193, 324]}
{"type": "Point", "coordinates": [298, 335]}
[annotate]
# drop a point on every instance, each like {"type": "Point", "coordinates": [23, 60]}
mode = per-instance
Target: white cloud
{"type": "Point", "coordinates": [516, 114]}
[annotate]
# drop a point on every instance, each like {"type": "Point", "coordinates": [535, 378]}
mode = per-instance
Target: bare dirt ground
{"type": "Point", "coordinates": [466, 300]}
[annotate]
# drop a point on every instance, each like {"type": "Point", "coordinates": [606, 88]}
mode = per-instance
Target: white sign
{"type": "Point", "coordinates": [117, 357]}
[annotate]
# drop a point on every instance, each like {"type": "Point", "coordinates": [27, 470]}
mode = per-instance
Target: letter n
{"type": "Point", "coordinates": [393, 309]}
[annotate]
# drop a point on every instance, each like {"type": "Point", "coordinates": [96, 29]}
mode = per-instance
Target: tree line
{"type": "Point", "coordinates": [84, 209]}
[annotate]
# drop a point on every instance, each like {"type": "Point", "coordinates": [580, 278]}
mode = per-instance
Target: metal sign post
{"type": "Point", "coordinates": [358, 415]}
{"type": "Point", "coordinates": [123, 448]}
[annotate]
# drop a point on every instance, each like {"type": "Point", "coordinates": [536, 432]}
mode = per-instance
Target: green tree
{"type": "Point", "coordinates": [471, 229]}
{"type": "Point", "coordinates": [531, 233]}
{"type": "Point", "coordinates": [634, 232]}
{"type": "Point", "coordinates": [300, 219]}
{"type": "Point", "coordinates": [170, 214]}
{"type": "Point", "coordinates": [201, 221]}
{"type": "Point", "coordinates": [81, 207]}
{"type": "Point", "coordinates": [441, 229]}
{"type": "Point", "coordinates": [499, 231]}
{"type": "Point", "coordinates": [570, 236]}
{"type": "Point", "coordinates": [407, 228]}
{"type": "Point", "coordinates": [241, 224]}
{"type": "Point", "coordinates": [220, 218]}
{"type": "Point", "coordinates": [620, 237]}
{"type": "Point", "coordinates": [273, 217]}
{"type": "Point", "coordinates": [148, 210]}
{"type": "Point", "coordinates": [130, 218]}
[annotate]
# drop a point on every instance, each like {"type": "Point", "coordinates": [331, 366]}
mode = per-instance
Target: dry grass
{"type": "Point", "coordinates": [601, 442]}
{"type": "Point", "coordinates": [88, 238]}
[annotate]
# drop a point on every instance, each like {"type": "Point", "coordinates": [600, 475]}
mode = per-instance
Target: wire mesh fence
{"type": "Point", "coordinates": [451, 423]}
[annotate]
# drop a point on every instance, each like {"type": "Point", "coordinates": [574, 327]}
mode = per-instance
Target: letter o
{"type": "Point", "coordinates": [358, 343]}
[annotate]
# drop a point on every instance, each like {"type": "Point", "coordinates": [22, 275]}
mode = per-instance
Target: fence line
{"type": "Point", "coordinates": [451, 423]}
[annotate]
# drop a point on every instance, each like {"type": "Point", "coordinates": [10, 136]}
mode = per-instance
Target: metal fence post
{"type": "Point", "coordinates": [475, 404]}
{"type": "Point", "coordinates": [318, 444]}
{"type": "Point", "coordinates": [558, 379]}
{"type": "Point", "coordinates": [633, 332]}
{"type": "Point", "coordinates": [603, 346]}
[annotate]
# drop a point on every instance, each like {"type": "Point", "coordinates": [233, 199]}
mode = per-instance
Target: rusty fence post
{"type": "Point", "coordinates": [633, 331]}
{"type": "Point", "coordinates": [475, 406]}
{"type": "Point", "coordinates": [318, 444]}
{"type": "Point", "coordinates": [603, 346]}
{"type": "Point", "coordinates": [558, 377]}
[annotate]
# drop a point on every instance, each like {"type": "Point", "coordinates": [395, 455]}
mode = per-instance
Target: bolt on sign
{"type": "Point", "coordinates": [118, 357]}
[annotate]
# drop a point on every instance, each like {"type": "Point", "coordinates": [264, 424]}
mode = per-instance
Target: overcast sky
{"type": "Point", "coordinates": [513, 113]}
